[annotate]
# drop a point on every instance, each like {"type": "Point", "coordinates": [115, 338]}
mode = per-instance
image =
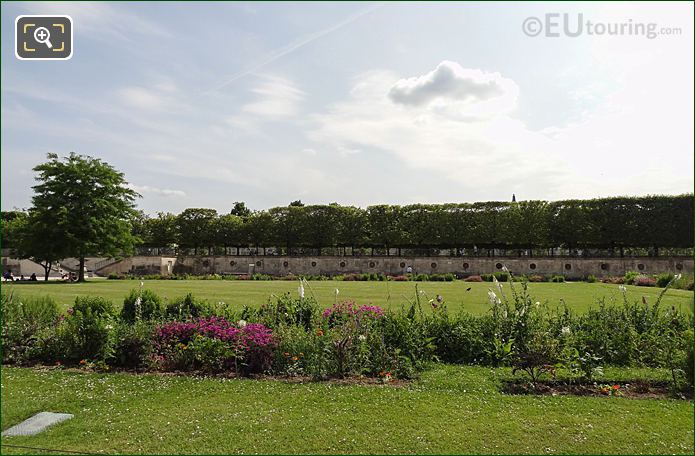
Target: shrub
{"type": "Point", "coordinates": [591, 278]}
{"type": "Point", "coordinates": [188, 307]}
{"type": "Point", "coordinates": [399, 278]}
{"type": "Point", "coordinates": [613, 280]}
{"type": "Point", "coordinates": [538, 357]}
{"type": "Point", "coordinates": [537, 278]}
{"type": "Point", "coordinates": [630, 277]}
{"type": "Point", "coordinates": [473, 278]}
{"type": "Point", "coordinates": [448, 277]}
{"type": "Point", "coordinates": [644, 281]}
{"type": "Point", "coordinates": [502, 276]}
{"type": "Point", "coordinates": [487, 277]}
{"type": "Point", "coordinates": [133, 344]}
{"type": "Point", "coordinates": [142, 304]}
{"type": "Point", "coordinates": [557, 278]}
{"type": "Point", "coordinates": [87, 333]}
{"type": "Point", "coordinates": [22, 319]}
{"type": "Point", "coordinates": [663, 279]}
{"type": "Point", "coordinates": [284, 310]}
{"type": "Point", "coordinates": [688, 366]}
{"type": "Point", "coordinates": [348, 310]}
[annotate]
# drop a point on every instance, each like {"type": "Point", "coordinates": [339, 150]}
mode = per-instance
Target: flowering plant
{"type": "Point", "coordinates": [348, 310]}
{"type": "Point", "coordinates": [609, 390]}
{"type": "Point", "coordinates": [251, 342]}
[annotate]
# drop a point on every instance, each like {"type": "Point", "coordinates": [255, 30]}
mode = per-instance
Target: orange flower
{"type": "Point", "coordinates": [83, 362]}
{"type": "Point", "coordinates": [301, 354]}
{"type": "Point", "coordinates": [287, 354]}
{"type": "Point", "coordinates": [616, 387]}
{"type": "Point", "coordinates": [294, 358]}
{"type": "Point", "coordinates": [319, 332]}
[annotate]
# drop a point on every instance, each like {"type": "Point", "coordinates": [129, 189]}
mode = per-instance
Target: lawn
{"type": "Point", "coordinates": [578, 296]}
{"type": "Point", "coordinates": [451, 409]}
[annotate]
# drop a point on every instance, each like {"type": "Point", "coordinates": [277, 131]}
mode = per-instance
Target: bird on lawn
{"type": "Point", "coordinates": [469, 288]}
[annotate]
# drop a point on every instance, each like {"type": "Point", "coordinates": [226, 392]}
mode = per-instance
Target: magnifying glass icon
{"type": "Point", "coordinates": [42, 35]}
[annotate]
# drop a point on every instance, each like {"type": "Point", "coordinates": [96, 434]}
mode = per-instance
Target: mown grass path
{"type": "Point", "coordinates": [579, 296]}
{"type": "Point", "coordinates": [451, 409]}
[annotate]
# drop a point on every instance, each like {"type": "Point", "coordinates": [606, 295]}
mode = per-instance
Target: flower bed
{"type": "Point", "coordinates": [295, 337]}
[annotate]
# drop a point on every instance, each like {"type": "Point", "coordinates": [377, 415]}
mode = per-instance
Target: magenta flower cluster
{"type": "Point", "coordinates": [253, 334]}
{"type": "Point", "coordinates": [345, 309]}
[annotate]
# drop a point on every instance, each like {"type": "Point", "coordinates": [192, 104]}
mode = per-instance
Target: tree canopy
{"type": "Point", "coordinates": [82, 207]}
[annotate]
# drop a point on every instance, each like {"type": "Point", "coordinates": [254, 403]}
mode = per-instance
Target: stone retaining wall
{"type": "Point", "coordinates": [331, 265]}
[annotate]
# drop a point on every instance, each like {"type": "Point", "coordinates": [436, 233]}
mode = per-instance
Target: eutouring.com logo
{"type": "Point", "coordinates": [556, 25]}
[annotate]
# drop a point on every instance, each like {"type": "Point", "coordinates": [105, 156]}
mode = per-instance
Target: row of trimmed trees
{"type": "Point", "coordinates": [652, 222]}
{"type": "Point", "coordinates": [83, 207]}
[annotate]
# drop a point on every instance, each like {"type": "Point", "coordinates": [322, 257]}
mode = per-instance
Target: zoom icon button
{"type": "Point", "coordinates": [43, 37]}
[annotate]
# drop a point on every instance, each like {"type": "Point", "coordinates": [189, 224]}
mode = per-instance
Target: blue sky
{"type": "Point", "coordinates": [203, 104]}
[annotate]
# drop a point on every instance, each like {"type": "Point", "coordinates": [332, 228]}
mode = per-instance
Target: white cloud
{"type": "Point", "coordinates": [484, 153]}
{"type": "Point", "coordinates": [613, 149]}
{"type": "Point", "coordinates": [276, 98]}
{"type": "Point", "coordinates": [157, 191]}
{"type": "Point", "coordinates": [140, 97]}
{"type": "Point", "coordinates": [449, 82]}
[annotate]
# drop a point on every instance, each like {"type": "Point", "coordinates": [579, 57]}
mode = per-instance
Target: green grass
{"type": "Point", "coordinates": [451, 409]}
{"type": "Point", "coordinates": [578, 295]}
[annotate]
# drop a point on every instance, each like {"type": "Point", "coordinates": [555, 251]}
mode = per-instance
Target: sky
{"type": "Point", "coordinates": [204, 104]}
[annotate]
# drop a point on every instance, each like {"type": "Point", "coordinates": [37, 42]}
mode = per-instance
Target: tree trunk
{"type": "Point", "coordinates": [80, 273]}
{"type": "Point", "coordinates": [47, 270]}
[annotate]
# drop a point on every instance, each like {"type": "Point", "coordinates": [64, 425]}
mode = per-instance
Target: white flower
{"type": "Point", "coordinates": [301, 290]}
{"type": "Point", "coordinates": [362, 337]}
{"type": "Point", "coordinates": [678, 276]}
{"type": "Point", "coordinates": [142, 284]}
{"type": "Point", "coordinates": [538, 303]}
{"type": "Point", "coordinates": [497, 283]}
{"type": "Point", "coordinates": [138, 301]}
{"type": "Point", "coordinates": [337, 292]}
{"type": "Point", "coordinates": [505, 269]}
{"type": "Point", "coordinates": [622, 288]}
{"type": "Point", "coordinates": [492, 297]}
{"type": "Point", "coordinates": [565, 331]}
{"type": "Point", "coordinates": [108, 327]}
{"type": "Point", "coordinates": [241, 323]}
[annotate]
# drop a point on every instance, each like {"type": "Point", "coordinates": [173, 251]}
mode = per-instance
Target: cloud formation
{"type": "Point", "coordinates": [145, 189]}
{"type": "Point", "coordinates": [450, 82]}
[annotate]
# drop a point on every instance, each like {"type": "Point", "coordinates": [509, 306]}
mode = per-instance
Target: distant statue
{"type": "Point", "coordinates": [513, 198]}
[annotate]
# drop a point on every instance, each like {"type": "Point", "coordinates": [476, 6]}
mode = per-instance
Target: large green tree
{"type": "Point", "coordinates": [89, 203]}
{"type": "Point", "coordinates": [197, 228]}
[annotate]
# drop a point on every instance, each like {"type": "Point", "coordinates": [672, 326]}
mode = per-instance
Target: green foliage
{"type": "Point", "coordinates": [538, 356]}
{"type": "Point", "coordinates": [87, 333]}
{"type": "Point", "coordinates": [133, 344]}
{"type": "Point", "coordinates": [22, 319]}
{"type": "Point", "coordinates": [630, 277]}
{"type": "Point", "coordinates": [188, 307]}
{"type": "Point", "coordinates": [663, 279]}
{"type": "Point", "coordinates": [501, 276]}
{"type": "Point", "coordinates": [85, 206]}
{"type": "Point", "coordinates": [591, 278]}
{"type": "Point", "coordinates": [285, 310]}
{"type": "Point", "coordinates": [141, 304]}
{"type": "Point", "coordinates": [212, 355]}
{"type": "Point", "coordinates": [557, 278]}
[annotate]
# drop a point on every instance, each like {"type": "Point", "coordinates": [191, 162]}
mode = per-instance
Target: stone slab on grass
{"type": "Point", "coordinates": [36, 423]}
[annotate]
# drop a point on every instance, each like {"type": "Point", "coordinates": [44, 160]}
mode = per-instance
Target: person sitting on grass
{"type": "Point", "coordinates": [32, 277]}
